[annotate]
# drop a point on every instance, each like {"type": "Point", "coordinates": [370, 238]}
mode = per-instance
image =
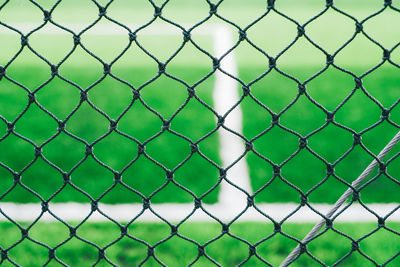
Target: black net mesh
{"type": "Point", "coordinates": [18, 189]}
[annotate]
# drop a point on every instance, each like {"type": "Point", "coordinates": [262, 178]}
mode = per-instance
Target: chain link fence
{"type": "Point", "coordinates": [10, 130]}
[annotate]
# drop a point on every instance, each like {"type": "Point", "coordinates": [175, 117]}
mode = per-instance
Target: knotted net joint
{"type": "Point", "coordinates": [101, 253]}
{"type": "Point", "coordinates": [359, 27]}
{"type": "Point", "coordinates": [38, 151]}
{"type": "Point", "coordinates": [386, 54]}
{"type": "Point", "coordinates": [191, 92]}
{"type": "Point", "coordinates": [201, 250]}
{"type": "Point", "coordinates": [10, 127]}
{"type": "Point", "coordinates": [102, 11]}
{"type": "Point", "coordinates": [220, 121]}
{"type": "Point", "coordinates": [141, 148]}
{"type": "Point", "coordinates": [2, 72]}
{"type": "Point", "coordinates": [275, 119]}
{"type": "Point", "coordinates": [385, 114]}
{"type": "Point", "coordinates": [88, 150]}
{"type": "Point", "coordinates": [169, 175]}
{"type": "Point", "coordinates": [270, 4]}
{"type": "Point", "coordinates": [157, 11]}
{"type": "Point", "coordinates": [303, 200]}
{"type": "Point", "coordinates": [330, 169]}
{"type": "Point", "coordinates": [357, 139]}
{"type": "Point", "coordinates": [24, 40]}
{"type": "Point", "coordinates": [358, 82]}
{"type": "Point", "coordinates": [222, 173]}
{"type": "Point", "coordinates": [186, 36]}
{"type": "Point", "coordinates": [24, 233]}
{"type": "Point", "coordinates": [123, 229]}
{"type": "Point", "coordinates": [194, 148]}
{"type": "Point", "coordinates": [225, 228]}
{"type": "Point", "coordinates": [45, 206]}
{"type": "Point", "coordinates": [328, 223]}
{"type": "Point", "coordinates": [381, 222]}
{"type": "Point", "coordinates": [84, 96]}
{"type": "Point", "coordinates": [302, 142]}
{"type": "Point", "coordinates": [355, 196]}
{"type": "Point", "coordinates": [174, 230]}
{"type": "Point", "coordinates": [303, 248]}
{"type": "Point", "coordinates": [382, 168]}
{"type": "Point", "coordinates": [4, 254]}
{"type": "Point", "coordinates": [106, 68]}
{"type": "Point", "coordinates": [54, 70]}
{"type": "Point", "coordinates": [117, 177]}
{"type": "Point", "coordinates": [242, 35]}
{"type": "Point", "coordinates": [216, 63]}
{"type": "Point", "coordinates": [271, 62]}
{"type": "Point", "coordinates": [388, 2]}
{"type": "Point", "coordinates": [17, 178]}
{"type": "Point", "coordinates": [300, 31]}
{"type": "Point", "coordinates": [94, 205]}
{"type": "Point", "coordinates": [66, 177]}
{"type": "Point", "coordinates": [249, 146]}
{"type": "Point", "coordinates": [250, 201]}
{"type": "Point", "coordinates": [213, 8]}
{"type": "Point", "coordinates": [246, 90]}
{"type": "Point", "coordinates": [277, 227]}
{"type": "Point", "coordinates": [277, 170]}
{"type": "Point", "coordinates": [52, 253]}
{"type": "Point", "coordinates": [47, 15]}
{"type": "Point", "coordinates": [77, 39]}
{"type": "Point", "coordinates": [354, 245]}
{"type": "Point", "coordinates": [197, 203]}
{"type": "Point", "coordinates": [166, 125]}
{"type": "Point", "coordinates": [136, 94]}
{"type": "Point", "coordinates": [161, 68]}
{"type": "Point", "coordinates": [302, 88]}
{"type": "Point", "coordinates": [330, 116]}
{"type": "Point", "coordinates": [31, 98]}
{"type": "Point", "coordinates": [329, 59]}
{"type": "Point", "coordinates": [146, 203]}
{"type": "Point", "coordinates": [72, 231]}
{"type": "Point", "coordinates": [329, 3]}
{"type": "Point", "coordinates": [252, 250]}
{"type": "Point", "coordinates": [113, 125]}
{"type": "Point", "coordinates": [132, 36]}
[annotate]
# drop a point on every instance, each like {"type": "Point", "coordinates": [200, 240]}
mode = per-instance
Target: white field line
{"type": "Point", "coordinates": [108, 29]}
{"type": "Point", "coordinates": [231, 201]}
{"type": "Point", "coordinates": [225, 97]}
{"type": "Point", "coordinates": [177, 212]}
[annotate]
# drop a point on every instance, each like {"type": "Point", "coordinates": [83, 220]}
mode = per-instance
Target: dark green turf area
{"type": "Point", "coordinates": [305, 170]}
{"type": "Point", "coordinates": [226, 249]}
{"type": "Point", "coordinates": [117, 151]}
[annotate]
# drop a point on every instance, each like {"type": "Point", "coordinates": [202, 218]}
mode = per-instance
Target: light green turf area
{"type": "Point", "coordinates": [226, 249]}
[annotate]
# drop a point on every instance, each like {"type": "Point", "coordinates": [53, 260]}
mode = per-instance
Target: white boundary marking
{"type": "Point", "coordinates": [231, 200]}
{"type": "Point", "coordinates": [177, 212]}
{"type": "Point", "coordinates": [231, 148]}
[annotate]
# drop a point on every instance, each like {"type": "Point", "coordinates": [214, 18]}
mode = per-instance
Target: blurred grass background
{"type": "Point", "coordinates": [165, 95]}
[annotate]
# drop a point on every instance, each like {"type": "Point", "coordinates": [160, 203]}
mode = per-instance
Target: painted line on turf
{"type": "Point", "coordinates": [177, 212]}
{"type": "Point", "coordinates": [225, 97]}
{"type": "Point", "coordinates": [103, 29]}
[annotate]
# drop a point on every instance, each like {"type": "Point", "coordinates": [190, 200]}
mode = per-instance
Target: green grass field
{"type": "Point", "coordinates": [165, 96]}
{"type": "Point", "coordinates": [227, 250]}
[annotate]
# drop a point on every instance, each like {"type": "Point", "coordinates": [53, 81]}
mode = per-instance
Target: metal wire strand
{"type": "Point", "coordinates": [355, 184]}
